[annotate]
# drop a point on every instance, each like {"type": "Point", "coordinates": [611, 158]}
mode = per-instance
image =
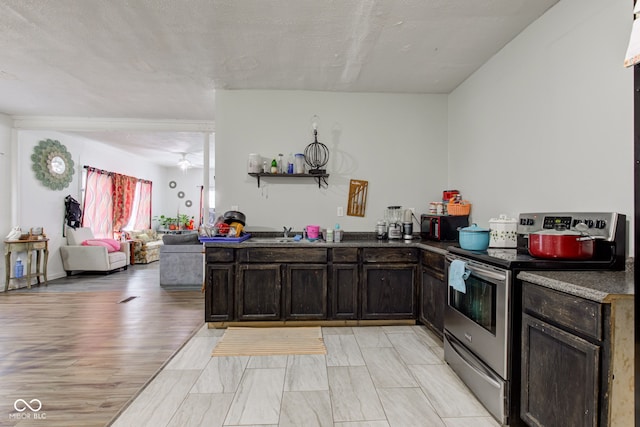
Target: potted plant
{"type": "Point", "coordinates": [183, 220]}
{"type": "Point", "coordinates": [166, 221]}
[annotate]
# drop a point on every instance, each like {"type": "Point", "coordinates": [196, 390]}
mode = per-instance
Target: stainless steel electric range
{"type": "Point", "coordinates": [482, 324]}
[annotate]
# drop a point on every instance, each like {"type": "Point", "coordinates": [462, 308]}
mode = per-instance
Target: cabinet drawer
{"type": "Point", "coordinates": [219, 255]}
{"type": "Point", "coordinates": [342, 255]}
{"type": "Point", "coordinates": [282, 255]}
{"type": "Point", "coordinates": [432, 260]}
{"type": "Point", "coordinates": [574, 313]}
{"type": "Point", "coordinates": [408, 255]}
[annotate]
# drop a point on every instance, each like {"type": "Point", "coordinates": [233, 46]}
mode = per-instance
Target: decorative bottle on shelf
{"type": "Point", "coordinates": [281, 167]}
{"type": "Point", "coordinates": [18, 269]}
{"type": "Point", "coordinates": [290, 163]}
{"type": "Point", "coordinates": [274, 166]}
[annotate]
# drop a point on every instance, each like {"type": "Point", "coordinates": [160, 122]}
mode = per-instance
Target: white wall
{"type": "Point", "coordinates": [396, 142]}
{"type": "Point", "coordinates": [547, 125]}
{"type": "Point", "coordinates": [5, 188]}
{"type": "Point", "coordinates": [41, 206]}
{"type": "Point", "coordinates": [189, 183]}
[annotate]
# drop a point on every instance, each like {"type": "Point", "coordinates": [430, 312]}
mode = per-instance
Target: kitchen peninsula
{"type": "Point", "coordinates": [358, 281]}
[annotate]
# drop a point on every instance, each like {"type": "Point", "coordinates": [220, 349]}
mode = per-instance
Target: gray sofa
{"type": "Point", "coordinates": [181, 261]}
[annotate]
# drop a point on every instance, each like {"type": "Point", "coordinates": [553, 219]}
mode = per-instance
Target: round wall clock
{"type": "Point", "coordinates": [52, 164]}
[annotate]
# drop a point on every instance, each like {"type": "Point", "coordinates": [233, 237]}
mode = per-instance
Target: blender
{"type": "Point", "coordinates": [394, 220]}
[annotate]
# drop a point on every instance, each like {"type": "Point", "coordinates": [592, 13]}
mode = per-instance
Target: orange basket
{"type": "Point", "coordinates": [462, 207]}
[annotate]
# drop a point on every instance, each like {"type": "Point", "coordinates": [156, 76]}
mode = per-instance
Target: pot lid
{"type": "Point", "coordinates": [474, 228]}
{"type": "Point", "coordinates": [562, 230]}
{"type": "Point", "coordinates": [503, 219]}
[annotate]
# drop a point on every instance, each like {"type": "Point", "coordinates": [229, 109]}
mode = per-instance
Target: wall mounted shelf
{"type": "Point", "coordinates": [319, 177]}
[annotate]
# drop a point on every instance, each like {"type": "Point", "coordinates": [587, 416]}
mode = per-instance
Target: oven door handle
{"type": "Point", "coordinates": [491, 378]}
{"type": "Point", "coordinates": [481, 272]}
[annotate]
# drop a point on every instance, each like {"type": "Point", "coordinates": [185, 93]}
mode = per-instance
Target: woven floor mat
{"type": "Point", "coordinates": [239, 341]}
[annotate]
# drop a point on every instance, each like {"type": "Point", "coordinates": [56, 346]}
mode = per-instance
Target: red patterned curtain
{"type": "Point", "coordinates": [143, 215]}
{"type": "Point", "coordinates": [124, 189]}
{"type": "Point", "coordinates": [98, 207]}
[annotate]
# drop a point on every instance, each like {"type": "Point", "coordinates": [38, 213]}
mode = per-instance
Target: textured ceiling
{"type": "Point", "coordinates": [163, 59]}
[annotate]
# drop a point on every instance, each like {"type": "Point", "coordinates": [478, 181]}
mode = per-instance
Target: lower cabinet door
{"type": "Point", "coordinates": [344, 291]}
{"type": "Point", "coordinates": [389, 292]}
{"type": "Point", "coordinates": [433, 299]}
{"type": "Point", "coordinates": [218, 299]}
{"type": "Point", "coordinates": [305, 291]}
{"type": "Point", "coordinates": [559, 377]}
{"type": "Point", "coordinates": [258, 292]}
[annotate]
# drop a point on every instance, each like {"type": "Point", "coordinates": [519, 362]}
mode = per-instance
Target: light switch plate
{"type": "Point", "coordinates": [340, 211]}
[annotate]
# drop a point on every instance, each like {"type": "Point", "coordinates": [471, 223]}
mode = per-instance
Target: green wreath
{"type": "Point", "coordinates": [52, 164]}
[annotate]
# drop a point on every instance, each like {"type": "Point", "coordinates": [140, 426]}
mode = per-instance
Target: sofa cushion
{"type": "Point", "coordinates": [181, 239]}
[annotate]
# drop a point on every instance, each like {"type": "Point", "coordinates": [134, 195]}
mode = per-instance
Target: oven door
{"type": "Point", "coordinates": [479, 317]}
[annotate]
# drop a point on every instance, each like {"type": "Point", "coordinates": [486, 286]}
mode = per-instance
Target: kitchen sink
{"type": "Point", "coordinates": [271, 240]}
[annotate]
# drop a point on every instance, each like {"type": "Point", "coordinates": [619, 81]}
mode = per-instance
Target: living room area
{"type": "Point", "coordinates": [176, 193]}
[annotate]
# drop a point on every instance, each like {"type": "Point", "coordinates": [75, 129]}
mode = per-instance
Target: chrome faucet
{"type": "Point", "coordinates": [286, 231]}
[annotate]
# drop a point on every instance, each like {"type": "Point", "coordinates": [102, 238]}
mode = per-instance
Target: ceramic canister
{"type": "Point", "coordinates": [504, 232]}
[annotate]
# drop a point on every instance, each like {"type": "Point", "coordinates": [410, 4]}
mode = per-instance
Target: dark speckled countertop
{"type": "Point", "coordinates": [598, 286]}
{"type": "Point", "coordinates": [353, 240]}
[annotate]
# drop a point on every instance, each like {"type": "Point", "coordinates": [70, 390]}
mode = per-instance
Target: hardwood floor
{"type": "Point", "coordinates": [83, 352]}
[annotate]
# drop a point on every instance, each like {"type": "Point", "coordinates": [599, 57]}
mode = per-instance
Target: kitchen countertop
{"type": "Point", "coordinates": [598, 286]}
{"type": "Point", "coordinates": [352, 240]}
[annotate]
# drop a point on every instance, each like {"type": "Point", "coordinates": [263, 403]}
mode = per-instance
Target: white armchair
{"type": "Point", "coordinates": [77, 257]}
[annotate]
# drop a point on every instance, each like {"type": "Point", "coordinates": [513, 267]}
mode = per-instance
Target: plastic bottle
{"type": "Point", "coordinates": [18, 269]}
{"type": "Point", "coordinates": [280, 163]}
{"type": "Point", "coordinates": [290, 163]}
{"type": "Point", "coordinates": [274, 166]}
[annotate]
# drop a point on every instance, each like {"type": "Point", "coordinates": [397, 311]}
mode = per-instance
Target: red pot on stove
{"type": "Point", "coordinates": [560, 243]}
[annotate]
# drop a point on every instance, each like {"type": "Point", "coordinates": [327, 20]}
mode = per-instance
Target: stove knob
{"type": "Point", "coordinates": [576, 222]}
{"type": "Point", "coordinates": [589, 223]}
{"type": "Point", "coordinates": [530, 221]}
{"type": "Point", "coordinates": [523, 221]}
{"type": "Point", "coordinates": [601, 223]}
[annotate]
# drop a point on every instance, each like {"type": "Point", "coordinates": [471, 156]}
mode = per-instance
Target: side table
{"type": "Point", "coordinates": [132, 245]}
{"type": "Point", "coordinates": [40, 247]}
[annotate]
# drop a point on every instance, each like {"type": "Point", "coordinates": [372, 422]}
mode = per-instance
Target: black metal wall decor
{"type": "Point", "coordinates": [316, 155]}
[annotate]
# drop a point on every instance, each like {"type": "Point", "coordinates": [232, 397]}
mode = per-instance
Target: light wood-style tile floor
{"type": "Point", "coordinates": [90, 359]}
{"type": "Point", "coordinates": [81, 352]}
{"type": "Point", "coordinates": [370, 376]}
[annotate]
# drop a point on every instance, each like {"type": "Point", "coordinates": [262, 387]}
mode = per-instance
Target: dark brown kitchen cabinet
{"type": "Point", "coordinates": [388, 291]}
{"type": "Point", "coordinates": [559, 376]}
{"type": "Point", "coordinates": [305, 292]}
{"type": "Point", "coordinates": [344, 284]}
{"type": "Point", "coordinates": [344, 291]}
{"type": "Point", "coordinates": [219, 292]}
{"type": "Point", "coordinates": [564, 379]}
{"type": "Point", "coordinates": [258, 292]}
{"type": "Point", "coordinates": [432, 297]}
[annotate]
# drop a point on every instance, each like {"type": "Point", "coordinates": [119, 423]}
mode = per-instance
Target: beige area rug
{"type": "Point", "coordinates": [239, 341]}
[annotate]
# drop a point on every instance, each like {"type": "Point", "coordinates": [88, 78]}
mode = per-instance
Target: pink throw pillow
{"type": "Point", "coordinates": [112, 245]}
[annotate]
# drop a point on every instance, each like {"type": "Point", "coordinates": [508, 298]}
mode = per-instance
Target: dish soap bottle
{"type": "Point", "coordinates": [274, 166]}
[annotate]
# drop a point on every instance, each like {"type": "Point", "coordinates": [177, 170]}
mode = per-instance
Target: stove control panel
{"type": "Point", "coordinates": [601, 225]}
